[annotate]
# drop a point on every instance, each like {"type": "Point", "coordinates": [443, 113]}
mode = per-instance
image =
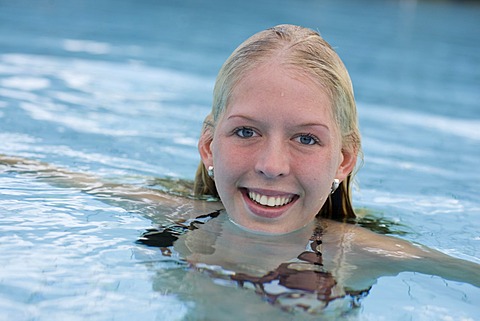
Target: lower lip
{"type": "Point", "coordinates": [264, 211]}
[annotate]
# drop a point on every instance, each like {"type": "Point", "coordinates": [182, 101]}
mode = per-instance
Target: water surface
{"type": "Point", "coordinates": [119, 90]}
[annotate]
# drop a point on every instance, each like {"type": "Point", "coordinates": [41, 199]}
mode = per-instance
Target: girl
{"type": "Point", "coordinates": [282, 139]}
{"type": "Point", "coordinates": [279, 150]}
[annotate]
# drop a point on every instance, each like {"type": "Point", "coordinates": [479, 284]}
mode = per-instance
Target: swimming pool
{"type": "Point", "coordinates": [119, 90]}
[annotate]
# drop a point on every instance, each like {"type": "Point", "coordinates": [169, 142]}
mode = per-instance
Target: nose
{"type": "Point", "coordinates": [273, 160]}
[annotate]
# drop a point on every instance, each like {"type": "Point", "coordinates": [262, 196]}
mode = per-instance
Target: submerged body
{"type": "Point", "coordinates": [325, 265]}
{"type": "Point", "coordinates": [352, 258]}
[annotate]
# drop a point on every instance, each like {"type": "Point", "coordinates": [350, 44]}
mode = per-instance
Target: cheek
{"type": "Point", "coordinates": [227, 161]}
{"type": "Point", "coordinates": [317, 182]}
{"type": "Point", "coordinates": [221, 155]}
{"type": "Point", "coordinates": [317, 175]}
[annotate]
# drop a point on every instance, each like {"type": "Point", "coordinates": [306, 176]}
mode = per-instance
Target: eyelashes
{"type": "Point", "coordinates": [307, 139]}
{"type": "Point", "coordinates": [302, 138]}
{"type": "Point", "coordinates": [245, 132]}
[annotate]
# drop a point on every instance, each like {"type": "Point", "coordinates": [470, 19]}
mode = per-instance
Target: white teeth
{"type": "Point", "coordinates": [270, 201]}
{"type": "Point", "coordinates": [263, 200]}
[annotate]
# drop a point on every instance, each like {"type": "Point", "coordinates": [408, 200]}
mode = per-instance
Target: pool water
{"type": "Point", "coordinates": [120, 89]}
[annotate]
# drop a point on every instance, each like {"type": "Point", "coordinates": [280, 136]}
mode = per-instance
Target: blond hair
{"type": "Point", "coordinates": [306, 51]}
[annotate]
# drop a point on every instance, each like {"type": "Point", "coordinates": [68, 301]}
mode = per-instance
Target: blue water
{"type": "Point", "coordinates": [119, 89]}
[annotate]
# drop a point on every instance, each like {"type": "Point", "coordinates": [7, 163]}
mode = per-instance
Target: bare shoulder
{"type": "Point", "coordinates": [373, 255]}
{"type": "Point", "coordinates": [369, 242]}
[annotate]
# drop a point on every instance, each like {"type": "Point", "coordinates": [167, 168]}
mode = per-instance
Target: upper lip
{"type": "Point", "coordinates": [268, 192]}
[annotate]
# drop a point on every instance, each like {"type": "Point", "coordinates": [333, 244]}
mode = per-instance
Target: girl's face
{"type": "Point", "coordinates": [276, 150]}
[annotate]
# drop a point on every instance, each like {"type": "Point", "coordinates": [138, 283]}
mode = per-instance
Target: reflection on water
{"type": "Point", "coordinates": [70, 255]}
{"type": "Point", "coordinates": [120, 90]}
{"type": "Point", "coordinates": [285, 270]}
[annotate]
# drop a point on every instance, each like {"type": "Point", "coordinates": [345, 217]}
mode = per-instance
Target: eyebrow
{"type": "Point", "coordinates": [308, 124]}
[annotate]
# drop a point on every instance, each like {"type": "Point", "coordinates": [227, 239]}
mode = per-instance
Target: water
{"type": "Point", "coordinates": [119, 90]}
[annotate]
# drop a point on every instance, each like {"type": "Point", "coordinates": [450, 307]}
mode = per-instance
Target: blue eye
{"type": "Point", "coordinates": [244, 132]}
{"type": "Point", "coordinates": [307, 139]}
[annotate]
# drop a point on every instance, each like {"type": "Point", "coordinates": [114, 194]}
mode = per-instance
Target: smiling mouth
{"type": "Point", "coordinates": [270, 201]}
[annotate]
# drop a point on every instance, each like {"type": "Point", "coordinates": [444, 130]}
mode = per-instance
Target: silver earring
{"type": "Point", "coordinates": [210, 171]}
{"type": "Point", "coordinates": [335, 185]}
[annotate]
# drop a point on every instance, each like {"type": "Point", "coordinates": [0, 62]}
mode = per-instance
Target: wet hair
{"type": "Point", "coordinates": [306, 51]}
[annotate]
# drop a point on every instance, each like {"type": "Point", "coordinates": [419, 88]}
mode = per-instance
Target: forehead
{"type": "Point", "coordinates": [277, 83]}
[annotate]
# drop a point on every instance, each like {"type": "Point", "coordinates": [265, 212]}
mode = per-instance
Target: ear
{"type": "Point", "coordinates": [349, 159]}
{"type": "Point", "coordinates": [205, 147]}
